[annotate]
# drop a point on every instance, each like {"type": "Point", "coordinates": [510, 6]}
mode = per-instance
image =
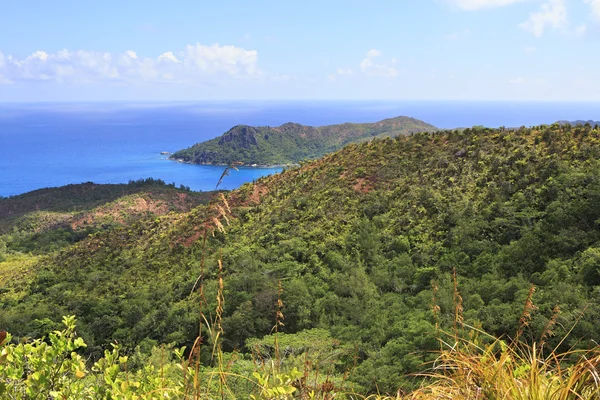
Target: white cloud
{"type": "Point", "coordinates": [195, 63]}
{"type": "Point", "coordinates": [168, 57]}
{"type": "Point", "coordinates": [3, 79]}
{"type": "Point", "coordinates": [595, 5]}
{"type": "Point", "coordinates": [530, 49]}
{"type": "Point", "coordinates": [370, 68]}
{"type": "Point", "coordinates": [340, 72]}
{"type": "Point", "coordinates": [39, 55]}
{"type": "Point", "coordinates": [233, 60]}
{"type": "Point", "coordinates": [580, 30]}
{"type": "Point", "coordinates": [472, 5]}
{"type": "Point", "coordinates": [528, 81]}
{"type": "Point", "coordinates": [553, 14]}
{"type": "Point", "coordinates": [373, 53]}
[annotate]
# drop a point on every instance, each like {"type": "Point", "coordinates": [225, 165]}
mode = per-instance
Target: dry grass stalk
{"type": "Point", "coordinates": [225, 203]}
{"type": "Point", "coordinates": [499, 371]}
{"type": "Point", "coordinates": [458, 305]}
{"type": "Point", "coordinates": [219, 225]}
{"type": "Point", "coordinates": [278, 322]}
{"type": "Point", "coordinates": [194, 355]}
{"type": "Point", "coordinates": [195, 352]}
{"type": "Point", "coordinates": [435, 308]}
{"type": "Point", "coordinates": [548, 332]}
{"type": "Point", "coordinates": [222, 213]}
{"type": "Point", "coordinates": [220, 298]}
{"type": "Point", "coordinates": [528, 308]}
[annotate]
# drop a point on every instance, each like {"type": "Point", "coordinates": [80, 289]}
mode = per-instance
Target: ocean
{"type": "Point", "coordinates": [54, 144]}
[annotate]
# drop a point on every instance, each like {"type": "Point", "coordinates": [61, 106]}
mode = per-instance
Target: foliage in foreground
{"type": "Point", "coordinates": [513, 372]}
{"type": "Point", "coordinates": [51, 368]}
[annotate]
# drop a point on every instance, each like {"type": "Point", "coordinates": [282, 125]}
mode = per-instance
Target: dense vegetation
{"type": "Point", "coordinates": [46, 220]}
{"type": "Point", "coordinates": [469, 369]}
{"type": "Point", "coordinates": [345, 254]}
{"type": "Point", "coordinates": [75, 198]}
{"type": "Point", "coordinates": [291, 143]}
{"type": "Point", "coordinates": [580, 122]}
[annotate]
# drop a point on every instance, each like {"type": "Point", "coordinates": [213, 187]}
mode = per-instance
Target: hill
{"type": "Point", "coordinates": [75, 198]}
{"type": "Point", "coordinates": [291, 143]}
{"type": "Point", "coordinates": [579, 122]}
{"type": "Point", "coordinates": [354, 250]}
{"type": "Point", "coordinates": [48, 219]}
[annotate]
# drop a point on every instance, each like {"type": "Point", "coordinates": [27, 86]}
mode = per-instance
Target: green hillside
{"type": "Point", "coordinates": [45, 220]}
{"type": "Point", "coordinates": [291, 143]}
{"type": "Point", "coordinates": [76, 198]}
{"type": "Point", "coordinates": [357, 246]}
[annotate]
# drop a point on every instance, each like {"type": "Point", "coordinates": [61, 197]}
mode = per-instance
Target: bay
{"type": "Point", "coordinates": [54, 144]}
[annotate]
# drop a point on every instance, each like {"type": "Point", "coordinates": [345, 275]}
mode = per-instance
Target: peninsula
{"type": "Point", "coordinates": [291, 143]}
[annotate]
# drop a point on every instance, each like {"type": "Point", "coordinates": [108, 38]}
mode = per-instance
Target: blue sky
{"type": "Point", "coordinates": [329, 49]}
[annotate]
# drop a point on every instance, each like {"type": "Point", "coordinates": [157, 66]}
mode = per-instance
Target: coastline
{"type": "Point", "coordinates": [244, 165]}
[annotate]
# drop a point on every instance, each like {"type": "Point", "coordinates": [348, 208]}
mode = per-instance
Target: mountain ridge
{"type": "Point", "coordinates": [578, 122]}
{"type": "Point", "coordinates": [291, 142]}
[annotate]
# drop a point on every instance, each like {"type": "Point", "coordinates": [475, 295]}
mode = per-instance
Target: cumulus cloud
{"type": "Point", "coordinates": [233, 60]}
{"type": "Point", "coordinates": [553, 14]}
{"type": "Point", "coordinates": [595, 5]}
{"type": "Point", "coordinates": [473, 5]}
{"type": "Point", "coordinates": [194, 63]}
{"type": "Point", "coordinates": [131, 54]}
{"type": "Point", "coordinates": [370, 67]}
{"type": "Point", "coordinates": [168, 57]}
{"type": "Point", "coordinates": [344, 72]}
{"type": "Point", "coordinates": [373, 53]}
{"type": "Point", "coordinates": [339, 73]}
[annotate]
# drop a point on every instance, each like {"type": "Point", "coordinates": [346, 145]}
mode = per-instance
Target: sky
{"type": "Point", "coordinates": [540, 50]}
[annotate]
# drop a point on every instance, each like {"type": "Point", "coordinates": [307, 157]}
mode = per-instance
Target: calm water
{"type": "Point", "coordinates": [47, 145]}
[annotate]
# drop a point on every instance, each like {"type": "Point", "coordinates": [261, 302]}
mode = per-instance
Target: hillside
{"type": "Point", "coordinates": [579, 122]}
{"type": "Point", "coordinates": [362, 242]}
{"type": "Point", "coordinates": [45, 220]}
{"type": "Point", "coordinates": [291, 143]}
{"type": "Point", "coordinates": [76, 198]}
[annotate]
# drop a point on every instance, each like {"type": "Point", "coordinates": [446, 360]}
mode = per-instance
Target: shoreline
{"type": "Point", "coordinates": [257, 166]}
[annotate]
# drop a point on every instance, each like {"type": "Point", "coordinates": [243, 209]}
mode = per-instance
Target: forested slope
{"type": "Point", "coordinates": [291, 143]}
{"type": "Point", "coordinates": [357, 240]}
{"type": "Point", "coordinates": [78, 198]}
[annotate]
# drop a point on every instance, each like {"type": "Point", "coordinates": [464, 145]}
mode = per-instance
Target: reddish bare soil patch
{"type": "Point", "coordinates": [362, 185]}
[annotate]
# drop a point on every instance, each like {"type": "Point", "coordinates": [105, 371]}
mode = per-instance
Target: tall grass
{"type": "Point", "coordinates": [476, 365]}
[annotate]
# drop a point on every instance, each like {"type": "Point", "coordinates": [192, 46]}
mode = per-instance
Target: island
{"type": "Point", "coordinates": [291, 143]}
{"type": "Point", "coordinates": [579, 122]}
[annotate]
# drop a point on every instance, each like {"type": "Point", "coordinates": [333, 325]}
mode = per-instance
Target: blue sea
{"type": "Point", "coordinates": [54, 144]}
